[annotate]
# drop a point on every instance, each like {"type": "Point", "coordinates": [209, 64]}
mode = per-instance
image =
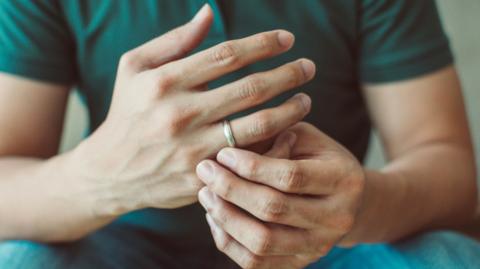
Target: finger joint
{"type": "Point", "coordinates": [291, 179]}
{"type": "Point", "coordinates": [265, 43]}
{"type": "Point", "coordinates": [263, 244]}
{"type": "Point", "coordinates": [225, 54]}
{"type": "Point", "coordinates": [274, 208]}
{"type": "Point", "coordinates": [263, 125]}
{"type": "Point", "coordinates": [252, 88]}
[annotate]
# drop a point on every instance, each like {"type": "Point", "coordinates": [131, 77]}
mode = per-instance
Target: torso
{"type": "Point", "coordinates": [325, 32]}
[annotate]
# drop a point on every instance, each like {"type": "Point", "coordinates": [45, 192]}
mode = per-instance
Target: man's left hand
{"type": "Point", "coordinates": [286, 208]}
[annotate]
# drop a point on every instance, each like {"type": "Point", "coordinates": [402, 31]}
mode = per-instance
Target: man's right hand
{"type": "Point", "coordinates": [162, 121]}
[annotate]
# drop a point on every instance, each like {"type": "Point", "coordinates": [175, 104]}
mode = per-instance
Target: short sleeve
{"type": "Point", "coordinates": [400, 39]}
{"type": "Point", "coordinates": [35, 41]}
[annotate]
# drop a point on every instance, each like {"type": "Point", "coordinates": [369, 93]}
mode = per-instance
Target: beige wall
{"type": "Point", "coordinates": [462, 22]}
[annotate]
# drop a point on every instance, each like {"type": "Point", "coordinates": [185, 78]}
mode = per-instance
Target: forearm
{"type": "Point", "coordinates": [431, 187]}
{"type": "Point", "coordinates": [44, 200]}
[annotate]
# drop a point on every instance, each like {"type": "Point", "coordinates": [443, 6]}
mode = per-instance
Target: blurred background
{"type": "Point", "coordinates": [462, 23]}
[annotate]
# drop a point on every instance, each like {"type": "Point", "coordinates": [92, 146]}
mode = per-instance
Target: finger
{"type": "Point", "coordinates": [316, 177]}
{"type": "Point", "coordinates": [209, 64]}
{"type": "Point", "coordinates": [255, 89]}
{"type": "Point", "coordinates": [265, 203]}
{"type": "Point", "coordinates": [282, 145]}
{"type": "Point", "coordinates": [263, 124]}
{"type": "Point", "coordinates": [260, 238]}
{"type": "Point", "coordinates": [240, 254]}
{"type": "Point", "coordinates": [172, 45]}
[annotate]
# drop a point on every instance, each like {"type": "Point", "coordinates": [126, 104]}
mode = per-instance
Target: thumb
{"type": "Point", "coordinates": [283, 145]}
{"type": "Point", "coordinates": [174, 44]}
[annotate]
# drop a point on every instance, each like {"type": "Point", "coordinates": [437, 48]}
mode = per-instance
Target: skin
{"type": "Point", "coordinates": [302, 204]}
{"type": "Point", "coordinates": [162, 123]}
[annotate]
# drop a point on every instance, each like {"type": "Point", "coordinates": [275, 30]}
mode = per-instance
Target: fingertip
{"type": "Point", "coordinates": [205, 171]}
{"type": "Point", "coordinates": [305, 100]}
{"type": "Point", "coordinates": [285, 39]}
{"type": "Point", "coordinates": [308, 67]}
{"type": "Point", "coordinates": [227, 157]}
{"type": "Point", "coordinates": [203, 13]}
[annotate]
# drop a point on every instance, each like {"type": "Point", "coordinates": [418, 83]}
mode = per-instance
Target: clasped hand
{"type": "Point", "coordinates": [286, 208]}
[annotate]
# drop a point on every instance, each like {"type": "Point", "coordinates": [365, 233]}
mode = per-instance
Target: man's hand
{"type": "Point", "coordinates": [162, 121]}
{"type": "Point", "coordinates": [267, 212]}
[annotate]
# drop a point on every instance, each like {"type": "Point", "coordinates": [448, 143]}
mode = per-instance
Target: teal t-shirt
{"type": "Point", "coordinates": [352, 42]}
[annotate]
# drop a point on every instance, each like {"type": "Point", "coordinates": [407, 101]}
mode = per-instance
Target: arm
{"type": "Point", "coordinates": [430, 179]}
{"type": "Point", "coordinates": [35, 188]}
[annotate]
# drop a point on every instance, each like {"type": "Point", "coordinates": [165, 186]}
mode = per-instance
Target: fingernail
{"type": "Point", "coordinates": [305, 100]}
{"type": "Point", "coordinates": [308, 68]}
{"type": "Point", "coordinates": [201, 13]}
{"type": "Point", "coordinates": [226, 157]}
{"type": "Point", "coordinates": [285, 39]}
{"type": "Point", "coordinates": [205, 171]}
{"type": "Point", "coordinates": [205, 198]}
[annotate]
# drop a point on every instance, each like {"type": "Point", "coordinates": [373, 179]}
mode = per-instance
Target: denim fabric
{"type": "Point", "coordinates": [123, 246]}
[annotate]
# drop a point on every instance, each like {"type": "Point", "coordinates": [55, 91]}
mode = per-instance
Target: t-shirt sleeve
{"type": "Point", "coordinates": [400, 39]}
{"type": "Point", "coordinates": [35, 41]}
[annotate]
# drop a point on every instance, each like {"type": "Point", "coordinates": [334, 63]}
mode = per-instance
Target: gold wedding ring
{"type": "Point", "coordinates": [227, 131]}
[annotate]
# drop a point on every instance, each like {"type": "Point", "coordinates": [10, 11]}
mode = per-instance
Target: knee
{"type": "Point", "coordinates": [440, 249]}
{"type": "Point", "coordinates": [25, 254]}
{"type": "Point", "coordinates": [438, 242]}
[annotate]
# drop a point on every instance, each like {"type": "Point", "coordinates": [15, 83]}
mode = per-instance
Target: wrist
{"type": "Point", "coordinates": [370, 225]}
{"type": "Point", "coordinates": [99, 193]}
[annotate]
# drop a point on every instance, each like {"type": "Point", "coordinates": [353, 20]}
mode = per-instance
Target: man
{"type": "Point", "coordinates": [278, 192]}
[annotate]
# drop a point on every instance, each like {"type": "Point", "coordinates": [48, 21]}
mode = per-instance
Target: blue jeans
{"type": "Point", "coordinates": [123, 246]}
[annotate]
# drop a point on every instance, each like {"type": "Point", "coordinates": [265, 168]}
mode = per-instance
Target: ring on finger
{"type": "Point", "coordinates": [227, 131]}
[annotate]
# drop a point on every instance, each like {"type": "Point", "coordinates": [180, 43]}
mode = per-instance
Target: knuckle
{"type": "Point", "coordinates": [171, 128]}
{"type": "Point", "coordinates": [252, 88]}
{"type": "Point", "coordinates": [250, 167]}
{"type": "Point", "coordinates": [222, 242]}
{"type": "Point", "coordinates": [291, 179]}
{"type": "Point", "coordinates": [173, 125]}
{"type": "Point", "coordinates": [344, 222]}
{"type": "Point", "coordinates": [263, 243]}
{"type": "Point", "coordinates": [129, 60]}
{"type": "Point", "coordinates": [165, 81]}
{"type": "Point", "coordinates": [176, 36]}
{"type": "Point", "coordinates": [176, 119]}
{"type": "Point", "coordinates": [192, 156]}
{"type": "Point", "coordinates": [225, 54]}
{"type": "Point", "coordinates": [274, 208]}
{"type": "Point", "coordinates": [264, 42]}
{"type": "Point", "coordinates": [263, 125]}
{"type": "Point", "coordinates": [251, 262]}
